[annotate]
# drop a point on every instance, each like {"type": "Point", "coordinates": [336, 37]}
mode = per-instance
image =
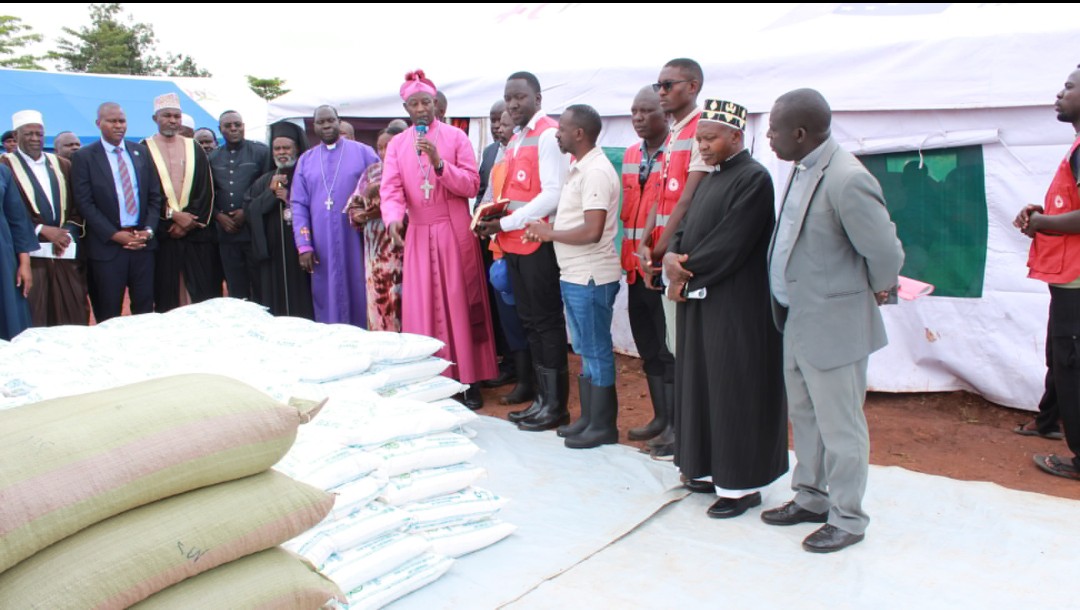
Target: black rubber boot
{"type": "Point", "coordinates": [660, 418]}
{"type": "Point", "coordinates": [525, 390]}
{"type": "Point", "coordinates": [554, 392]}
{"type": "Point", "coordinates": [584, 397]}
{"type": "Point", "coordinates": [603, 417]}
{"type": "Point", "coordinates": [663, 446]}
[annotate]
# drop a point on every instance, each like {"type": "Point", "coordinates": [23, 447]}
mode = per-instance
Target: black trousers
{"type": "Point", "coordinates": [1063, 361]}
{"type": "Point", "coordinates": [241, 270]}
{"type": "Point", "coordinates": [195, 260]}
{"type": "Point", "coordinates": [501, 347]}
{"type": "Point", "coordinates": [535, 280]}
{"type": "Point", "coordinates": [649, 329]}
{"type": "Point", "coordinates": [131, 269]}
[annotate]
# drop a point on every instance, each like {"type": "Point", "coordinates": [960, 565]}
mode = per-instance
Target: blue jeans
{"type": "Point", "coordinates": [588, 311]}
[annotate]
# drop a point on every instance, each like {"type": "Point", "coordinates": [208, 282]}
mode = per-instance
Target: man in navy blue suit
{"type": "Point", "coordinates": [120, 200]}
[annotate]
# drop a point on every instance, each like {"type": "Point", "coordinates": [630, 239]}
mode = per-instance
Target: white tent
{"type": "Point", "coordinates": [920, 79]}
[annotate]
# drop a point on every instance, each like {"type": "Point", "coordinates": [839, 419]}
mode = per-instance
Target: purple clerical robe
{"type": "Point", "coordinates": [443, 292]}
{"type": "Point", "coordinates": [322, 184]}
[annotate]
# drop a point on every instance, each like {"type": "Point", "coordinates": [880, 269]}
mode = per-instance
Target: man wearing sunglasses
{"type": "Point", "coordinates": [678, 86]}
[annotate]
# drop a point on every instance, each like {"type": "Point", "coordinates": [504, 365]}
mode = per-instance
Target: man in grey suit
{"type": "Point", "coordinates": [833, 260]}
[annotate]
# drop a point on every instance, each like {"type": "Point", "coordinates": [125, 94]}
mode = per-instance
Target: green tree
{"type": "Point", "coordinates": [12, 39]}
{"type": "Point", "coordinates": [267, 88]}
{"type": "Point", "coordinates": [116, 44]}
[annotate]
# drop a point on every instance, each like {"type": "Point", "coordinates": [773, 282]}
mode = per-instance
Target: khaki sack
{"type": "Point", "coordinates": [274, 578]}
{"type": "Point", "coordinates": [68, 463]}
{"type": "Point", "coordinates": [131, 556]}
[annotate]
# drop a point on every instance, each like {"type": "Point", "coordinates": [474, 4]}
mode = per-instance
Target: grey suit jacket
{"type": "Point", "coordinates": [845, 250]}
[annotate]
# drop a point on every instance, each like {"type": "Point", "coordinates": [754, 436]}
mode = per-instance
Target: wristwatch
{"type": "Point", "coordinates": [151, 232]}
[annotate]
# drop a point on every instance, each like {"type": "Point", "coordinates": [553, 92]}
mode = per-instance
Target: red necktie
{"type": "Point", "coordinates": [130, 204]}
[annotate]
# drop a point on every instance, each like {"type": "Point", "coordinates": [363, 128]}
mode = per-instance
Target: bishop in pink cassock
{"type": "Point", "coordinates": [443, 295]}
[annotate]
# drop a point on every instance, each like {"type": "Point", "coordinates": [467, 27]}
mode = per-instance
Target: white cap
{"type": "Point", "coordinates": [168, 100]}
{"type": "Point", "coordinates": [186, 120]}
{"type": "Point", "coordinates": [26, 117]}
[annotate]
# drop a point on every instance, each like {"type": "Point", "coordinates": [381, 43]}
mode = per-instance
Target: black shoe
{"type": "Point", "coordinates": [726, 508]}
{"type": "Point", "coordinates": [537, 399]}
{"type": "Point", "coordinates": [829, 539]}
{"type": "Point", "coordinates": [790, 514]}
{"type": "Point", "coordinates": [506, 377]}
{"type": "Point", "coordinates": [698, 487]}
{"type": "Point", "coordinates": [663, 453]}
{"type": "Point", "coordinates": [473, 399]}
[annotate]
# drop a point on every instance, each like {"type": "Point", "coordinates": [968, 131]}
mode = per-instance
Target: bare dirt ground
{"type": "Point", "coordinates": [953, 434]}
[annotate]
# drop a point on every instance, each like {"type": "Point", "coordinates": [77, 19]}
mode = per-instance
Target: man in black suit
{"type": "Point", "coordinates": [120, 200]}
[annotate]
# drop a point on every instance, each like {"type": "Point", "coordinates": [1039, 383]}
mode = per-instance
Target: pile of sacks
{"type": "Point", "coordinates": [158, 494]}
{"type": "Point", "coordinates": [390, 444]}
{"type": "Point", "coordinates": [405, 501]}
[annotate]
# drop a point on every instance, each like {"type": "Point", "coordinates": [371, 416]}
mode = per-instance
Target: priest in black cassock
{"type": "Point", "coordinates": [730, 410]}
{"type": "Point", "coordinates": [285, 287]}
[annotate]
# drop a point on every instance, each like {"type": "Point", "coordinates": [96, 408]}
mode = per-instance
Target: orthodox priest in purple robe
{"type": "Point", "coordinates": [329, 248]}
{"type": "Point", "coordinates": [430, 173]}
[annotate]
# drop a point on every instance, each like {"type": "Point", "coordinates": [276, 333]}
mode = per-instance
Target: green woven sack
{"type": "Point", "coordinates": [70, 462]}
{"type": "Point", "coordinates": [131, 556]}
{"type": "Point", "coordinates": [274, 578]}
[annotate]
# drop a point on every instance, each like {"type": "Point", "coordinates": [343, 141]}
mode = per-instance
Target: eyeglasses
{"type": "Point", "coordinates": [667, 85]}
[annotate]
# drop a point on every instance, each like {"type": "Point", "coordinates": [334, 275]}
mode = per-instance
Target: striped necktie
{"type": "Point", "coordinates": [130, 204]}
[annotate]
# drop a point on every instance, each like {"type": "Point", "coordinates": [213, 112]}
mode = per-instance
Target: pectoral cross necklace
{"type": "Point", "coordinates": [330, 187]}
{"type": "Point", "coordinates": [427, 186]}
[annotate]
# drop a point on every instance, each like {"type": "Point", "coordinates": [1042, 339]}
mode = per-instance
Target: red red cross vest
{"type": "Point", "coordinates": [636, 203]}
{"type": "Point", "coordinates": [676, 170]}
{"type": "Point", "coordinates": [523, 182]}
{"type": "Point", "coordinates": [1055, 259]}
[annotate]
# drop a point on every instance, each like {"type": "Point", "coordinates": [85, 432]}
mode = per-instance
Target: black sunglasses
{"type": "Point", "coordinates": [667, 85]}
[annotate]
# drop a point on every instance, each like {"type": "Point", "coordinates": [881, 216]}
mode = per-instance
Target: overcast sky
{"type": "Point", "coordinates": [232, 40]}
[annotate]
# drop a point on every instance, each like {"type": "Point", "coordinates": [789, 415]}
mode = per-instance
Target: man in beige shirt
{"type": "Point", "coordinates": [584, 239]}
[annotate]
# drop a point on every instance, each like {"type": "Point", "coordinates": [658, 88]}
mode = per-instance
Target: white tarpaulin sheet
{"type": "Point", "coordinates": [933, 542]}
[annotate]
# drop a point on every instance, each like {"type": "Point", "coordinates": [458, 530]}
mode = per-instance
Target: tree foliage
{"type": "Point", "coordinates": [116, 44]}
{"type": "Point", "coordinates": [14, 35]}
{"type": "Point", "coordinates": [267, 88]}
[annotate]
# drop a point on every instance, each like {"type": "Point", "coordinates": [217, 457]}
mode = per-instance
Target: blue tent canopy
{"type": "Point", "coordinates": [69, 102]}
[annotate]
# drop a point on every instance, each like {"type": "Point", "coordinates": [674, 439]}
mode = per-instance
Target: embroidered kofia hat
{"type": "Point", "coordinates": [728, 113]}
{"type": "Point", "coordinates": [168, 100]}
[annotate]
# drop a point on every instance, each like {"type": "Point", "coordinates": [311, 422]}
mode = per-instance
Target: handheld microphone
{"type": "Point", "coordinates": [421, 132]}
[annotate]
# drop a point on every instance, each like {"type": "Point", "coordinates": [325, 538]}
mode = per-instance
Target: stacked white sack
{"type": "Point", "coordinates": [386, 378]}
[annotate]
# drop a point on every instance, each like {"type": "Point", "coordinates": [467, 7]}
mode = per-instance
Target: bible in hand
{"type": "Point", "coordinates": [489, 211]}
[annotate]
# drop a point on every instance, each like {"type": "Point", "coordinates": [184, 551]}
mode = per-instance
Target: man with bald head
{"type": "Point", "coordinates": [236, 166]}
{"type": "Point", "coordinates": [330, 249]}
{"type": "Point", "coordinates": [441, 104]}
{"type": "Point", "coordinates": [44, 184]}
{"type": "Point", "coordinates": [834, 258]}
{"type": "Point", "coordinates": [488, 158]}
{"type": "Point", "coordinates": [642, 183]}
{"type": "Point", "coordinates": [347, 131]}
{"type": "Point", "coordinates": [120, 199]}
{"type": "Point", "coordinates": [206, 140]}
{"type": "Point", "coordinates": [65, 144]}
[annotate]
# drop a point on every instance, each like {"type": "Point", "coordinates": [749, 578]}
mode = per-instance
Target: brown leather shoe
{"type": "Point", "coordinates": [790, 514]}
{"type": "Point", "coordinates": [829, 539]}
